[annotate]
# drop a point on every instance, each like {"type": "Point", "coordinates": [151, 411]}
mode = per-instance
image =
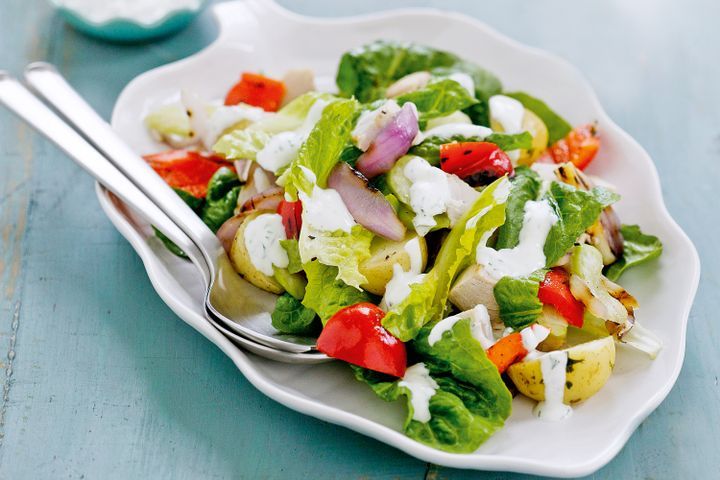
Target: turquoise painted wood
{"type": "Point", "coordinates": [82, 397]}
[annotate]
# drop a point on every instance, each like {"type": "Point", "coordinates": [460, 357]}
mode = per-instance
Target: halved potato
{"type": "Point", "coordinates": [588, 368]}
{"type": "Point", "coordinates": [240, 259]}
{"type": "Point", "coordinates": [378, 269]}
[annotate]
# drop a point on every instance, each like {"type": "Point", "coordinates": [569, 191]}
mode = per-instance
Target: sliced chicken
{"type": "Point", "coordinates": [475, 287]}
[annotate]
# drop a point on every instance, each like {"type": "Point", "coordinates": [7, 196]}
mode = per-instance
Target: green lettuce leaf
{"type": "Point", "coordinates": [427, 299]}
{"type": "Point", "coordinates": [221, 200]}
{"type": "Point", "coordinates": [429, 149]}
{"type": "Point", "coordinates": [337, 249]}
{"type": "Point", "coordinates": [365, 72]}
{"type": "Point", "coordinates": [518, 299]}
{"type": "Point", "coordinates": [322, 149]}
{"type": "Point", "coordinates": [486, 85]}
{"type": "Point", "coordinates": [241, 144]}
{"type": "Point", "coordinates": [524, 186]}
{"type": "Point", "coordinates": [291, 116]}
{"type": "Point", "coordinates": [557, 127]}
{"type": "Point", "coordinates": [576, 211]}
{"type": "Point", "coordinates": [292, 248]}
{"type": "Point", "coordinates": [462, 417]}
{"type": "Point", "coordinates": [438, 99]}
{"type": "Point", "coordinates": [169, 120]}
{"type": "Point", "coordinates": [325, 294]}
{"type": "Point", "coordinates": [638, 248]}
{"type": "Point", "coordinates": [291, 316]}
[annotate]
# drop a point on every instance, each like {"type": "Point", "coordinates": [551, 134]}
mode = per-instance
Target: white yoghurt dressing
{"type": "Point", "coordinates": [531, 338]}
{"type": "Point", "coordinates": [283, 147]}
{"type": "Point", "coordinates": [262, 240]}
{"type": "Point", "coordinates": [422, 387]}
{"type": "Point", "coordinates": [508, 112]}
{"type": "Point", "coordinates": [325, 210]}
{"type": "Point", "coordinates": [372, 122]}
{"type": "Point", "coordinates": [546, 171]}
{"type": "Point", "coordinates": [480, 326]}
{"type": "Point", "coordinates": [142, 11]}
{"type": "Point", "coordinates": [429, 193]}
{"type": "Point", "coordinates": [528, 255]}
{"type": "Point", "coordinates": [553, 366]}
{"type": "Point", "coordinates": [461, 129]}
{"type": "Point", "coordinates": [398, 288]}
{"type": "Point", "coordinates": [455, 117]}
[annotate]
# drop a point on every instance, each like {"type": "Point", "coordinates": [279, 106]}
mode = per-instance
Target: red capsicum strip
{"type": "Point", "coordinates": [291, 213]}
{"type": "Point", "coordinates": [186, 169]}
{"type": "Point", "coordinates": [579, 147]}
{"type": "Point", "coordinates": [475, 159]}
{"type": "Point", "coordinates": [355, 335]}
{"type": "Point", "coordinates": [257, 90]}
{"type": "Point", "coordinates": [506, 351]}
{"type": "Point", "coordinates": [555, 291]}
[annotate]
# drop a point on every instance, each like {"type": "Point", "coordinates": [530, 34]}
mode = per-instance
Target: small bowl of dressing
{"type": "Point", "coordinates": [129, 21]}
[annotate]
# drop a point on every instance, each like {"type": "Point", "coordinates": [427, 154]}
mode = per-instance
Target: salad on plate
{"type": "Point", "coordinates": [434, 231]}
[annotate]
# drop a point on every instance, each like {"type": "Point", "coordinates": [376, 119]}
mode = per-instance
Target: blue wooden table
{"type": "Point", "coordinates": [101, 380]}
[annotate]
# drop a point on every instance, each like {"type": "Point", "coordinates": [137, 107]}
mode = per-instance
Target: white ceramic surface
{"type": "Point", "coordinates": [260, 36]}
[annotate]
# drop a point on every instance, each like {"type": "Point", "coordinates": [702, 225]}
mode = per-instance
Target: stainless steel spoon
{"type": "Point", "coordinates": [229, 299]}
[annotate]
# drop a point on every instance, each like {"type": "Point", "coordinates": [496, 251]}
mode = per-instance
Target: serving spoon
{"type": "Point", "coordinates": [229, 300]}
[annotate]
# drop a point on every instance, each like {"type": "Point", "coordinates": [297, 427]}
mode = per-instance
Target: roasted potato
{"type": "Point", "coordinates": [588, 369]}
{"type": "Point", "coordinates": [243, 265]}
{"type": "Point", "coordinates": [378, 269]}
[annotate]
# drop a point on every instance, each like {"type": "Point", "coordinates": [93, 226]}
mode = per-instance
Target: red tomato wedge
{"type": "Point", "coordinates": [475, 162]}
{"type": "Point", "coordinates": [579, 147]}
{"type": "Point", "coordinates": [186, 169]}
{"type": "Point", "coordinates": [291, 213]}
{"type": "Point", "coordinates": [355, 335]}
{"type": "Point", "coordinates": [555, 291]}
{"type": "Point", "coordinates": [506, 351]}
{"type": "Point", "coordinates": [257, 90]}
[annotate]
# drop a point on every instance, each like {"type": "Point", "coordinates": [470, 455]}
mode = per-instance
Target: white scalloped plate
{"type": "Point", "coordinates": [257, 35]}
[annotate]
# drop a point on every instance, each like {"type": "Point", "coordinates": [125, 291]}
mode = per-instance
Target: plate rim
{"type": "Point", "coordinates": [480, 461]}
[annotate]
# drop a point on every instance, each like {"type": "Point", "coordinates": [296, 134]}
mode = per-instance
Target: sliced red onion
{"type": "Point", "coordinates": [392, 142]}
{"type": "Point", "coordinates": [367, 205]}
{"type": "Point", "coordinates": [242, 167]}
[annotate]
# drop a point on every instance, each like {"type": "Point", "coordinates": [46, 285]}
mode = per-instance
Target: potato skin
{"type": "Point", "coordinates": [589, 367]}
{"type": "Point", "coordinates": [240, 259]}
{"type": "Point", "coordinates": [378, 269]}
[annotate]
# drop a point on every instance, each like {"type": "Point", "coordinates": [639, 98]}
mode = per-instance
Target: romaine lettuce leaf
{"type": "Point", "coordinates": [291, 316]}
{"type": "Point", "coordinates": [338, 249]}
{"type": "Point", "coordinates": [557, 127]}
{"type": "Point", "coordinates": [241, 144]}
{"type": "Point", "coordinates": [292, 248]}
{"type": "Point", "coordinates": [525, 186]}
{"type": "Point", "coordinates": [638, 248]}
{"type": "Point", "coordinates": [427, 299]}
{"type": "Point", "coordinates": [576, 211]}
{"type": "Point", "coordinates": [463, 416]}
{"type": "Point", "coordinates": [322, 149]}
{"type": "Point", "coordinates": [367, 71]}
{"type": "Point", "coordinates": [429, 149]}
{"type": "Point", "coordinates": [221, 199]}
{"type": "Point", "coordinates": [325, 294]}
{"type": "Point", "coordinates": [169, 120]}
{"type": "Point", "coordinates": [518, 299]}
{"type": "Point", "coordinates": [438, 99]}
{"type": "Point", "coordinates": [486, 85]}
{"type": "Point", "coordinates": [291, 116]}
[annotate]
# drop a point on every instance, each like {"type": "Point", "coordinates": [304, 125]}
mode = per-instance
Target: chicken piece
{"type": "Point", "coordinates": [475, 287]}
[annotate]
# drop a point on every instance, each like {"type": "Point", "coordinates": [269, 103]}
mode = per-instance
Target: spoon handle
{"type": "Point", "coordinates": [48, 82]}
{"type": "Point", "coordinates": [25, 105]}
